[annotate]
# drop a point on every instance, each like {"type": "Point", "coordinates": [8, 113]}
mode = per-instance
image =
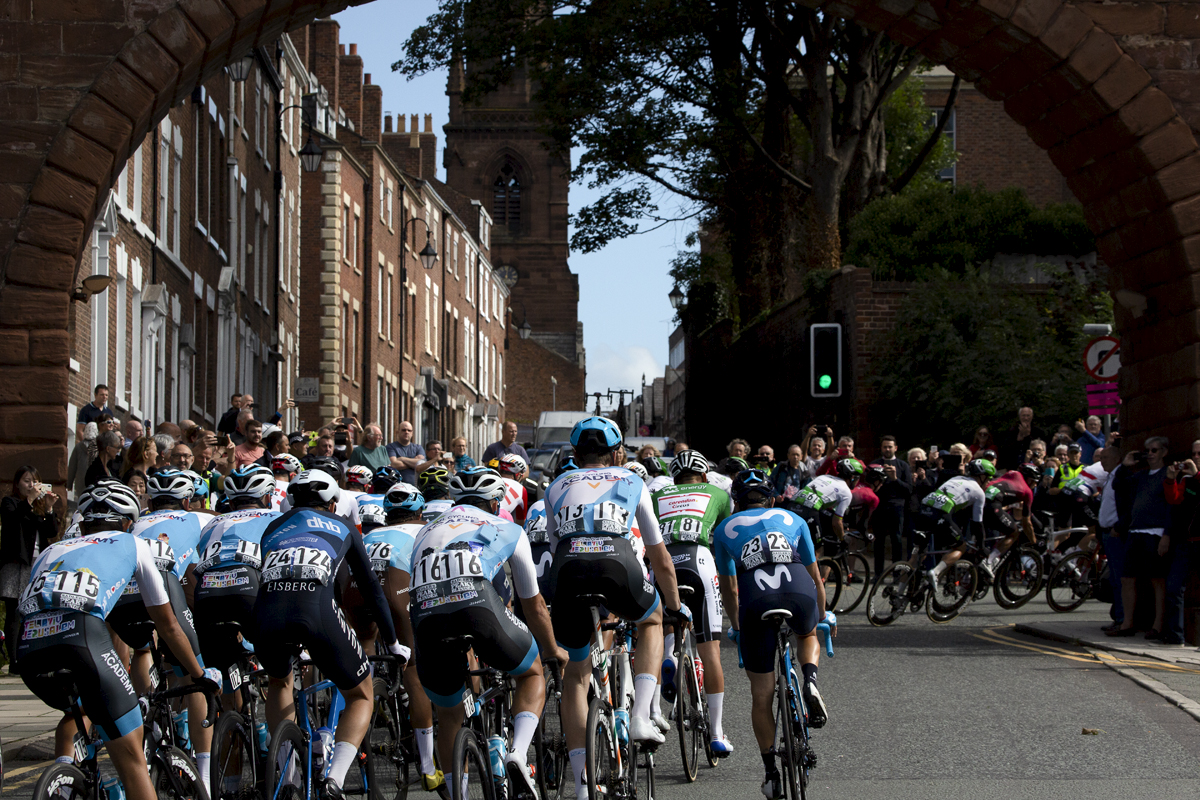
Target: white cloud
{"type": "Point", "coordinates": [620, 368]}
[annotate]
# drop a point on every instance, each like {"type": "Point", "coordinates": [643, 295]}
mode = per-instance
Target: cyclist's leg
{"type": "Point", "coordinates": [337, 651]}
{"type": "Point", "coordinates": [442, 667]}
{"type": "Point", "coordinates": [196, 705]}
{"type": "Point", "coordinates": [757, 649]}
{"type": "Point", "coordinates": [706, 615]}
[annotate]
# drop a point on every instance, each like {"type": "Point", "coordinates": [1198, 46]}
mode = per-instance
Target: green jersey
{"type": "Point", "coordinates": [687, 513]}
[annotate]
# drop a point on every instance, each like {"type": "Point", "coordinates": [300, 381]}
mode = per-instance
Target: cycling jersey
{"type": "Point", "coordinates": [181, 529]}
{"type": "Point", "coordinates": [539, 546]}
{"type": "Point", "coordinates": [687, 513]}
{"type": "Point", "coordinates": [391, 546]}
{"type": "Point", "coordinates": [1009, 489]}
{"type": "Point", "coordinates": [605, 501]}
{"type": "Point", "coordinates": [88, 574]}
{"type": "Point", "coordinates": [826, 494]}
{"type": "Point", "coordinates": [659, 482]}
{"type": "Point", "coordinates": [280, 494]}
{"type": "Point", "coordinates": [720, 481]}
{"type": "Point", "coordinates": [366, 499]}
{"type": "Point", "coordinates": [1090, 480]}
{"type": "Point", "coordinates": [535, 524]}
{"type": "Point", "coordinates": [435, 508]}
{"type": "Point", "coordinates": [958, 497]}
{"type": "Point", "coordinates": [515, 500]}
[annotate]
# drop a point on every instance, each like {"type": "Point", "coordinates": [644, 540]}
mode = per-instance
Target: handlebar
{"type": "Point", "coordinates": [213, 697]}
{"type": "Point", "coordinates": [824, 633]}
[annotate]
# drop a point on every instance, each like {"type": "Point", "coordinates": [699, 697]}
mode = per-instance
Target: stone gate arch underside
{"type": "Point", "coordinates": [1110, 90]}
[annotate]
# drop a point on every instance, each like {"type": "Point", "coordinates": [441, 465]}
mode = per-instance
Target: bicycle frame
{"type": "Point", "coordinates": [305, 723]}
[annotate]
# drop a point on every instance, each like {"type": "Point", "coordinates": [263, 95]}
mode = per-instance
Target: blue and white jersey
{"type": "Point", "coordinates": [468, 542]}
{"type": "Point", "coordinates": [369, 500]}
{"type": "Point", "coordinates": [435, 508]}
{"type": "Point", "coordinates": [391, 546]}
{"type": "Point", "coordinates": [759, 536]}
{"type": "Point", "coordinates": [89, 574]}
{"type": "Point", "coordinates": [234, 540]}
{"type": "Point", "coordinates": [535, 523]}
{"type": "Point", "coordinates": [609, 501]}
{"type": "Point", "coordinates": [180, 529]}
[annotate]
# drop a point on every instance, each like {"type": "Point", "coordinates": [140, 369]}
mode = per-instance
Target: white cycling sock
{"type": "Point", "coordinates": [524, 725]}
{"type": "Point", "coordinates": [656, 705]}
{"type": "Point", "coordinates": [425, 750]}
{"type": "Point", "coordinates": [578, 761]}
{"type": "Point", "coordinates": [716, 704]}
{"type": "Point", "coordinates": [669, 646]}
{"type": "Point", "coordinates": [204, 764]}
{"type": "Point", "coordinates": [643, 694]}
{"type": "Point", "coordinates": [940, 568]}
{"type": "Point", "coordinates": [344, 754]}
{"type": "Point", "coordinates": [64, 760]}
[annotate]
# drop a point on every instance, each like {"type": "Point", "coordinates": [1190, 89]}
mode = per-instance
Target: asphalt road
{"type": "Point", "coordinates": [965, 710]}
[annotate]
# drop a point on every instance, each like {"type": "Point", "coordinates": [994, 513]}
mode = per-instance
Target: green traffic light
{"type": "Point", "coordinates": [825, 381]}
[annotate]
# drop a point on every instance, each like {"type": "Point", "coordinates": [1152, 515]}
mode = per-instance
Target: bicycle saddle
{"type": "Point", "coordinates": [685, 590]}
{"type": "Point", "coordinates": [776, 614]}
{"type": "Point", "coordinates": [592, 599]}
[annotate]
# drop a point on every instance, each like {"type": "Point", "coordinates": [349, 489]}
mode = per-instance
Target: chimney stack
{"type": "Point", "coordinates": [350, 90]}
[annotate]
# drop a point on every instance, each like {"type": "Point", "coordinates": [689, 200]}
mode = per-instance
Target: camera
{"type": "Point", "coordinates": [340, 438]}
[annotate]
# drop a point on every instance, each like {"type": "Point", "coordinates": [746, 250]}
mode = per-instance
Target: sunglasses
{"type": "Point", "coordinates": [1155, 450]}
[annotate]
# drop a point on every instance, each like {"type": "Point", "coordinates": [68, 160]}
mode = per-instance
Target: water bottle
{"type": "Point", "coordinates": [113, 790]}
{"type": "Point", "coordinates": [325, 733]}
{"type": "Point", "coordinates": [263, 735]}
{"type": "Point", "coordinates": [622, 725]}
{"type": "Point", "coordinates": [496, 755]}
{"type": "Point", "coordinates": [181, 730]}
{"type": "Point", "coordinates": [699, 672]}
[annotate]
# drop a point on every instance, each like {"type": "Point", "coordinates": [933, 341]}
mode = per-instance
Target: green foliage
{"type": "Point", "coordinates": [907, 125]}
{"type": "Point", "coordinates": [940, 227]}
{"type": "Point", "coordinates": [968, 350]}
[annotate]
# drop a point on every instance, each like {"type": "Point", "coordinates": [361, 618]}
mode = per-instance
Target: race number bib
{"type": "Point", "coordinates": [940, 501]}
{"type": "Point", "coordinates": [684, 529]}
{"type": "Point", "coordinates": [607, 517]}
{"type": "Point", "coordinates": [447, 565]}
{"type": "Point", "coordinates": [777, 551]}
{"type": "Point", "coordinates": [298, 564]}
{"type": "Point", "coordinates": [380, 554]}
{"type": "Point", "coordinates": [164, 556]}
{"type": "Point", "coordinates": [75, 589]}
{"type": "Point", "coordinates": [248, 553]}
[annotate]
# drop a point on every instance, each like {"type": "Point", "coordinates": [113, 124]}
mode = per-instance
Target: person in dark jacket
{"type": "Point", "coordinates": [791, 476]}
{"type": "Point", "coordinates": [27, 526]}
{"type": "Point", "coordinates": [1149, 534]}
{"type": "Point", "coordinates": [106, 465]}
{"type": "Point", "coordinates": [894, 494]}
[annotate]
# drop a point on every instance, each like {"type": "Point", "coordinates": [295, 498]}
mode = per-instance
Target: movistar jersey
{"type": "Point", "coordinates": [180, 529]}
{"type": "Point", "coordinates": [535, 523]}
{"type": "Point", "coordinates": [468, 542]}
{"type": "Point", "coordinates": [827, 494]}
{"type": "Point", "coordinates": [688, 513]}
{"type": "Point", "coordinates": [609, 501]}
{"type": "Point", "coordinates": [89, 574]}
{"type": "Point", "coordinates": [958, 496]}
{"type": "Point", "coordinates": [234, 540]}
{"type": "Point", "coordinates": [760, 536]}
{"type": "Point", "coordinates": [391, 546]}
{"type": "Point", "coordinates": [369, 500]}
{"type": "Point", "coordinates": [435, 508]}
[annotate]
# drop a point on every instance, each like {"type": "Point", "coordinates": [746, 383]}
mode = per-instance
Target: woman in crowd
{"type": "Point", "coordinates": [136, 481]}
{"type": "Point", "coordinates": [142, 455]}
{"type": "Point", "coordinates": [27, 526]}
{"type": "Point", "coordinates": [983, 440]}
{"type": "Point", "coordinates": [108, 448]}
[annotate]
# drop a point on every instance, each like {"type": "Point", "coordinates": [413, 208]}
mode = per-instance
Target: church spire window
{"type": "Point", "coordinates": [506, 200]}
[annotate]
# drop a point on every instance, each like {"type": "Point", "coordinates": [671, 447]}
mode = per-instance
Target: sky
{"type": "Point", "coordinates": [622, 289]}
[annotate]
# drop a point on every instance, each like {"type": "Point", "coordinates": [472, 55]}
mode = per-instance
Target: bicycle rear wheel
{"type": "Point", "coordinates": [387, 768]}
{"type": "Point", "coordinates": [1018, 578]}
{"type": "Point", "coordinates": [888, 598]}
{"type": "Point", "coordinates": [1070, 583]}
{"type": "Point", "coordinates": [175, 777]}
{"type": "Point", "coordinates": [856, 583]}
{"type": "Point", "coordinates": [952, 590]}
{"type": "Point", "coordinates": [688, 718]}
{"type": "Point", "coordinates": [62, 782]}
{"type": "Point", "coordinates": [287, 763]}
{"type": "Point", "coordinates": [789, 758]}
{"type": "Point", "coordinates": [833, 582]}
{"type": "Point", "coordinates": [233, 773]}
{"type": "Point", "coordinates": [471, 777]}
{"type": "Point", "coordinates": [604, 765]}
{"type": "Point", "coordinates": [550, 746]}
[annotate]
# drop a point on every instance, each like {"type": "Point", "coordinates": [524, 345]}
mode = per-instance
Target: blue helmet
{"type": "Point", "coordinates": [752, 480]}
{"type": "Point", "coordinates": [403, 497]}
{"type": "Point", "coordinates": [596, 433]}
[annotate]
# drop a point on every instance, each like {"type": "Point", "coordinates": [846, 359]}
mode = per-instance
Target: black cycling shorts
{"type": "Point", "coordinates": [820, 526]}
{"type": "Point", "coordinates": [696, 569]}
{"type": "Point", "coordinates": [997, 518]}
{"type": "Point", "coordinates": [444, 615]}
{"type": "Point", "coordinates": [1080, 509]}
{"type": "Point", "coordinates": [292, 615]}
{"type": "Point", "coordinates": [786, 586]}
{"type": "Point", "coordinates": [72, 640]}
{"type": "Point", "coordinates": [130, 620]}
{"type": "Point", "coordinates": [596, 565]}
{"type": "Point", "coordinates": [225, 596]}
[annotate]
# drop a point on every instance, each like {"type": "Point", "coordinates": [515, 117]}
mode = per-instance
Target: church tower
{"type": "Point", "coordinates": [494, 153]}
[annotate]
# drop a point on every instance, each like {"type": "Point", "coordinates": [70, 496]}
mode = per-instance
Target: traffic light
{"type": "Point", "coordinates": [825, 359]}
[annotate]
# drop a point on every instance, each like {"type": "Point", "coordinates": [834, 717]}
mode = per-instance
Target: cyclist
{"type": "Point", "coordinates": [823, 503]}
{"type": "Point", "coordinates": [513, 470]}
{"type": "Point", "coordinates": [957, 504]}
{"type": "Point", "coordinates": [863, 498]}
{"type": "Point", "coordinates": [435, 488]}
{"type": "Point", "coordinates": [285, 468]}
{"type": "Point", "coordinates": [372, 516]}
{"type": "Point", "coordinates": [73, 588]}
{"type": "Point", "coordinates": [1078, 501]}
{"type": "Point", "coordinates": [765, 560]}
{"type": "Point", "coordinates": [304, 554]}
{"type": "Point", "coordinates": [588, 516]}
{"type": "Point", "coordinates": [637, 469]}
{"type": "Point", "coordinates": [654, 468]}
{"type": "Point", "coordinates": [454, 561]}
{"type": "Point", "coordinates": [384, 479]}
{"type": "Point", "coordinates": [687, 514]}
{"type": "Point", "coordinates": [1008, 508]}
{"type": "Point", "coordinates": [347, 506]}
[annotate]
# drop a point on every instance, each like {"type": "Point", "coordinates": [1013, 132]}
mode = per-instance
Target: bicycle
{"type": "Point", "coordinates": [240, 739]}
{"type": "Point", "coordinates": [1077, 577]}
{"type": "Point", "coordinates": [903, 586]}
{"type": "Point", "coordinates": [846, 571]}
{"type": "Point", "coordinates": [791, 712]}
{"type": "Point", "coordinates": [550, 742]}
{"type": "Point", "coordinates": [691, 704]}
{"type": "Point", "coordinates": [171, 769]}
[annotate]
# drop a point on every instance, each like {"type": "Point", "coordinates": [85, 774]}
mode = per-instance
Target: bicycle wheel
{"type": "Point", "coordinates": [953, 588]}
{"type": "Point", "coordinates": [287, 763]}
{"type": "Point", "coordinates": [888, 598]}
{"type": "Point", "coordinates": [687, 717]}
{"type": "Point", "coordinates": [645, 787]}
{"type": "Point", "coordinates": [604, 778]}
{"type": "Point", "coordinates": [387, 769]}
{"type": "Point", "coordinates": [233, 773]}
{"type": "Point", "coordinates": [62, 782]}
{"type": "Point", "coordinates": [471, 776]}
{"type": "Point", "coordinates": [833, 582]}
{"type": "Point", "coordinates": [550, 746]}
{"type": "Point", "coordinates": [856, 583]}
{"type": "Point", "coordinates": [789, 758]}
{"type": "Point", "coordinates": [175, 777]}
{"type": "Point", "coordinates": [1018, 578]}
{"type": "Point", "coordinates": [1070, 583]}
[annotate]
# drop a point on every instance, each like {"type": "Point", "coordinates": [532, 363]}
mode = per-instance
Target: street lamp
{"type": "Point", "coordinates": [240, 70]}
{"type": "Point", "coordinates": [310, 155]}
{"type": "Point", "coordinates": [525, 329]}
{"type": "Point", "coordinates": [428, 253]}
{"type": "Point", "coordinates": [676, 297]}
{"type": "Point", "coordinates": [93, 284]}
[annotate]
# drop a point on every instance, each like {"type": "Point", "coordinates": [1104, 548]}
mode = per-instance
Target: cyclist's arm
{"type": "Point", "coordinates": [154, 595]}
{"type": "Point", "coordinates": [524, 577]}
{"type": "Point", "coordinates": [839, 527]}
{"type": "Point", "coordinates": [360, 567]}
{"type": "Point", "coordinates": [664, 572]}
{"type": "Point", "coordinates": [189, 585]}
{"type": "Point", "coordinates": [396, 583]}
{"type": "Point", "coordinates": [815, 574]}
{"type": "Point", "coordinates": [647, 523]}
{"type": "Point", "coordinates": [729, 597]}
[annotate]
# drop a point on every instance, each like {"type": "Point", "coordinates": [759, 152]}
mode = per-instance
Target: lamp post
{"type": "Point", "coordinates": [676, 297]}
{"type": "Point", "coordinates": [553, 393]}
{"type": "Point", "coordinates": [428, 254]}
{"type": "Point", "coordinates": [239, 70]}
{"type": "Point", "coordinates": [93, 284]}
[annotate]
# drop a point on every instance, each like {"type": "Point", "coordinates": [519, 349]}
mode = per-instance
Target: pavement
{"type": "Point", "coordinates": [26, 723]}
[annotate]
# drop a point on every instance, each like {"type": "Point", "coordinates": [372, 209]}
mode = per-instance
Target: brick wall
{"type": "Point", "coordinates": [530, 369]}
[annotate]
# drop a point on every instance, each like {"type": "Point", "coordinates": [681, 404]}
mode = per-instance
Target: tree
{"type": "Point", "coordinates": [750, 113]}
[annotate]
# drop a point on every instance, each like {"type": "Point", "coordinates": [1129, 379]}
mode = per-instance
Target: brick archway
{"type": "Point", "coordinates": [81, 83]}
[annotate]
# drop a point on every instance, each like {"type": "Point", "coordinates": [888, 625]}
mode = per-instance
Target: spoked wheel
{"type": "Point", "coordinates": [1070, 583]}
{"type": "Point", "coordinates": [789, 755]}
{"type": "Point", "coordinates": [550, 748]}
{"type": "Point", "coordinates": [688, 718]}
{"type": "Point", "coordinates": [286, 763]}
{"type": "Point", "coordinates": [233, 774]}
{"type": "Point", "coordinates": [1018, 578]}
{"type": "Point", "coordinates": [832, 573]}
{"type": "Point", "coordinates": [953, 589]}
{"type": "Point", "coordinates": [856, 583]}
{"type": "Point", "coordinates": [175, 777]}
{"type": "Point", "coordinates": [606, 778]}
{"type": "Point", "coordinates": [471, 777]}
{"type": "Point", "coordinates": [888, 598]}
{"type": "Point", "coordinates": [62, 782]}
{"type": "Point", "coordinates": [387, 768]}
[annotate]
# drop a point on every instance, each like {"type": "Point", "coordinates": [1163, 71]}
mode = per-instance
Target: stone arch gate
{"type": "Point", "coordinates": [1107, 88]}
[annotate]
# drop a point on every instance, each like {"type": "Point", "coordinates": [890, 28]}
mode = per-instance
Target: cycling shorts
{"type": "Point", "coordinates": [451, 616]}
{"type": "Point", "coordinates": [997, 518]}
{"type": "Point", "coordinates": [596, 565]}
{"type": "Point", "coordinates": [72, 640]}
{"type": "Point", "coordinates": [931, 521]}
{"type": "Point", "coordinates": [1081, 508]}
{"type": "Point", "coordinates": [820, 526]}
{"type": "Point", "coordinates": [225, 596]}
{"type": "Point", "coordinates": [130, 620]}
{"type": "Point", "coordinates": [786, 586]}
{"type": "Point", "coordinates": [291, 615]}
{"type": "Point", "coordinates": [696, 568]}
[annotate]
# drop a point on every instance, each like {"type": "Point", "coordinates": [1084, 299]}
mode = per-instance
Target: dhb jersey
{"type": "Point", "coordinates": [761, 537]}
{"type": "Point", "coordinates": [608, 501]}
{"type": "Point", "coordinates": [89, 574]}
{"type": "Point", "coordinates": [391, 546]}
{"type": "Point", "coordinates": [180, 529]}
{"type": "Point", "coordinates": [234, 540]}
{"type": "Point", "coordinates": [467, 542]}
{"type": "Point", "coordinates": [435, 508]}
{"type": "Point", "coordinates": [687, 513]}
{"type": "Point", "coordinates": [827, 494]}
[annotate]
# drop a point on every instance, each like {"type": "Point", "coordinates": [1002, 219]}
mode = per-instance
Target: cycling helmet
{"type": "Point", "coordinates": [476, 483]}
{"type": "Point", "coordinates": [752, 480]}
{"type": "Point", "coordinates": [199, 485]}
{"type": "Point", "coordinates": [373, 516]}
{"type": "Point", "coordinates": [404, 497]}
{"type": "Point", "coordinates": [359, 477]}
{"type": "Point", "coordinates": [251, 481]}
{"type": "Point", "coordinates": [434, 476]}
{"type": "Point", "coordinates": [568, 464]}
{"type": "Point", "coordinates": [652, 466]}
{"type": "Point", "coordinates": [690, 461]}
{"type": "Point", "coordinates": [313, 487]}
{"type": "Point", "coordinates": [596, 434]}
{"type": "Point", "coordinates": [109, 500]}
{"type": "Point", "coordinates": [875, 472]}
{"type": "Point", "coordinates": [1032, 474]}
{"type": "Point", "coordinates": [637, 469]}
{"type": "Point", "coordinates": [286, 463]}
{"type": "Point", "coordinates": [978, 467]}
{"type": "Point", "coordinates": [987, 455]}
{"type": "Point", "coordinates": [513, 465]}
{"type": "Point", "coordinates": [733, 466]}
{"type": "Point", "coordinates": [850, 470]}
{"type": "Point", "coordinates": [171, 483]}
{"type": "Point", "coordinates": [329, 465]}
{"type": "Point", "coordinates": [384, 479]}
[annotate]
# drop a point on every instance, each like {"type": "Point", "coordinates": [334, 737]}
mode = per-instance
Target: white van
{"type": "Point", "coordinates": [555, 426]}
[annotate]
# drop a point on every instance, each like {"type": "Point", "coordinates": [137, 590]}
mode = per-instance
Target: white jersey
{"type": "Point", "coordinates": [721, 481]}
{"type": "Point", "coordinates": [608, 500]}
{"type": "Point", "coordinates": [347, 506]}
{"type": "Point", "coordinates": [515, 500]}
{"type": "Point", "coordinates": [957, 495]}
{"type": "Point", "coordinates": [280, 493]}
{"type": "Point", "coordinates": [658, 482]}
{"type": "Point", "coordinates": [828, 494]}
{"type": "Point", "coordinates": [435, 508]}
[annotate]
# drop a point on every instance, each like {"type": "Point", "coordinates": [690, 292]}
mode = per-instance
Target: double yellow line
{"type": "Point", "coordinates": [995, 636]}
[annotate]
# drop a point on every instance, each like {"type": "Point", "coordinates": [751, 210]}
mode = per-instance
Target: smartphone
{"type": "Point", "coordinates": [347, 420]}
{"type": "Point", "coordinates": [45, 488]}
{"type": "Point", "coordinates": [340, 437]}
{"type": "Point", "coordinates": [223, 439]}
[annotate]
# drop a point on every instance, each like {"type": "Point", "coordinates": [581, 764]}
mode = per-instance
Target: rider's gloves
{"type": "Point", "coordinates": [397, 649]}
{"type": "Point", "coordinates": [211, 675]}
{"type": "Point", "coordinates": [681, 614]}
{"type": "Point", "coordinates": [831, 618]}
{"type": "Point", "coordinates": [734, 636]}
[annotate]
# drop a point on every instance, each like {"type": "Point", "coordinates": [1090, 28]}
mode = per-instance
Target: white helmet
{"type": "Point", "coordinates": [286, 463]}
{"type": "Point", "coordinates": [513, 465]}
{"type": "Point", "coordinates": [171, 483]}
{"type": "Point", "coordinates": [477, 483]}
{"type": "Point", "coordinates": [637, 469]}
{"type": "Point", "coordinates": [313, 487]}
{"type": "Point", "coordinates": [359, 477]}
{"type": "Point", "coordinates": [109, 500]}
{"type": "Point", "coordinates": [689, 461]}
{"type": "Point", "coordinates": [251, 480]}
